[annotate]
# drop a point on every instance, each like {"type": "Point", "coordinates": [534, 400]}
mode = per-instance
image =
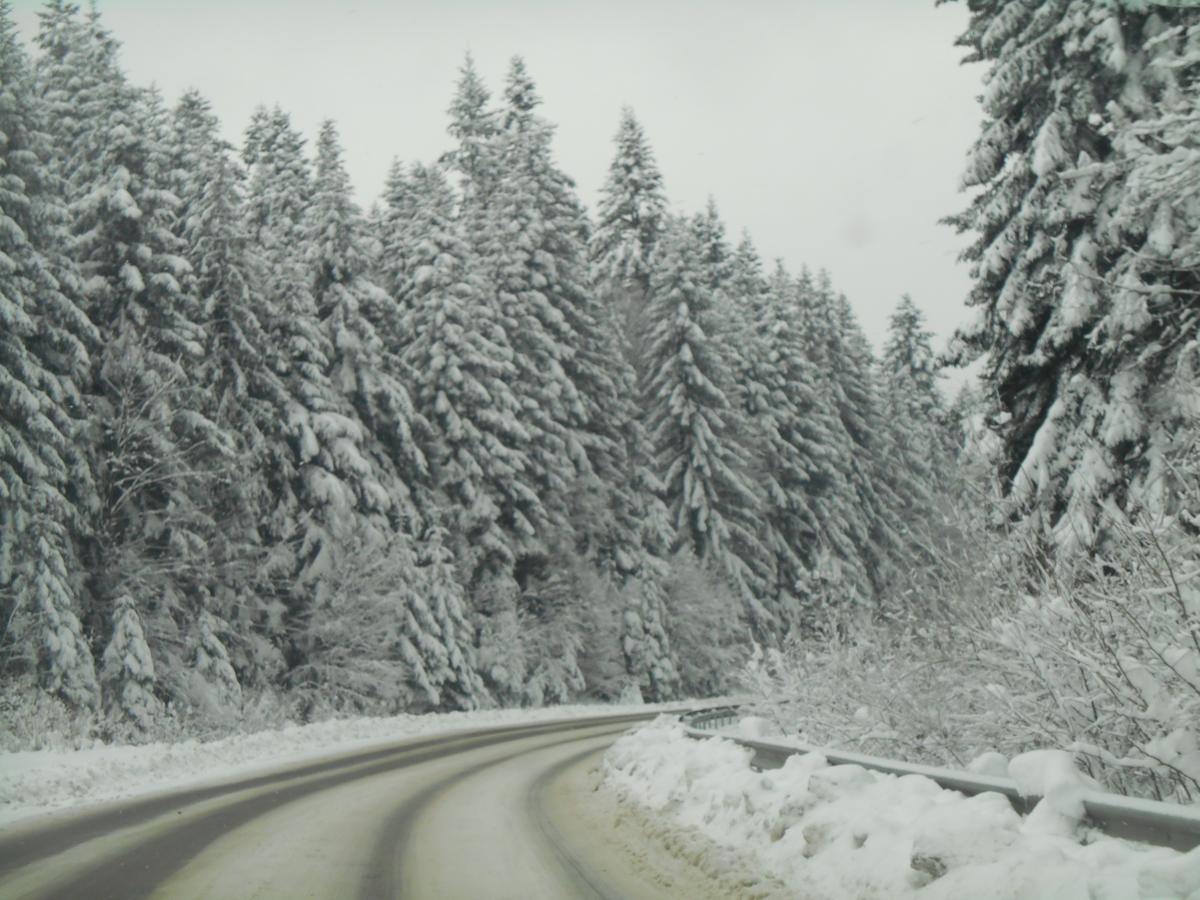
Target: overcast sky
{"type": "Point", "coordinates": [834, 130]}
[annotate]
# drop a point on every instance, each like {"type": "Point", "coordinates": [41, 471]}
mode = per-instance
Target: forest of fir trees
{"type": "Point", "coordinates": [265, 456]}
{"type": "Point", "coordinates": [478, 446]}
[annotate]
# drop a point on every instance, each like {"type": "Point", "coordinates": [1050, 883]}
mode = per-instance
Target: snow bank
{"type": "Point", "coordinates": [845, 831]}
{"type": "Point", "coordinates": [40, 781]}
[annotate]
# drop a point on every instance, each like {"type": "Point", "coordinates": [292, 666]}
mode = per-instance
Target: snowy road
{"type": "Point", "coordinates": [505, 812]}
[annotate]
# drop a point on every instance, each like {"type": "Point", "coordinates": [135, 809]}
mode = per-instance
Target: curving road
{"type": "Point", "coordinates": [495, 813]}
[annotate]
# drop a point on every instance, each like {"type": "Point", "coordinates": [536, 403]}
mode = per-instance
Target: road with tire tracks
{"type": "Point", "coordinates": [495, 813]}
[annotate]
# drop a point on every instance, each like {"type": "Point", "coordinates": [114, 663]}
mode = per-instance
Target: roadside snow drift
{"type": "Point", "coordinates": [844, 831]}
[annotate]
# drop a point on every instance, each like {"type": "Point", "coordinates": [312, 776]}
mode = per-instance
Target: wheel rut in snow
{"type": "Point", "coordinates": [387, 876]}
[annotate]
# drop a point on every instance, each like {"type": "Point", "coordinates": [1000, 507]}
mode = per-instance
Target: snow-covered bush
{"type": "Point", "coordinates": [389, 637]}
{"type": "Point", "coordinates": [1099, 656]}
{"type": "Point", "coordinates": [878, 691]}
{"type": "Point", "coordinates": [31, 719]}
{"type": "Point", "coordinates": [1110, 659]}
{"type": "Point", "coordinates": [128, 676]}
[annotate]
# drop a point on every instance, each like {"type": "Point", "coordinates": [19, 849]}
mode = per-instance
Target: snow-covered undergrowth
{"type": "Point", "coordinates": [39, 781]}
{"type": "Point", "coordinates": [843, 831]}
{"type": "Point", "coordinates": [1099, 657]}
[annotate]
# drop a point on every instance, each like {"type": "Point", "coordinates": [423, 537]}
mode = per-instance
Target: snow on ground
{"type": "Point", "coordinates": [844, 831]}
{"type": "Point", "coordinates": [36, 782]}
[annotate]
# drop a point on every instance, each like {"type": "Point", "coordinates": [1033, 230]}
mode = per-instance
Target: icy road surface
{"type": "Point", "coordinates": [501, 812]}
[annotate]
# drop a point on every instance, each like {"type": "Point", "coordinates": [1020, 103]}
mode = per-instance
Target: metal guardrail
{"type": "Point", "coordinates": [711, 719]}
{"type": "Point", "coordinates": [1131, 818]}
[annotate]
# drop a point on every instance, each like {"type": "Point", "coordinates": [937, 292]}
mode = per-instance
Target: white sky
{"type": "Point", "coordinates": [834, 130]}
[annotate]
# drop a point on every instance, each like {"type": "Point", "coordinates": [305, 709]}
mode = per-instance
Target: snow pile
{"type": "Point", "coordinates": [39, 781]}
{"type": "Point", "coordinates": [845, 831]}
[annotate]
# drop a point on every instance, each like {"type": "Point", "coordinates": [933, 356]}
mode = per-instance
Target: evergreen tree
{"type": "Point", "coordinates": [475, 126]}
{"type": "Point", "coordinates": [873, 461]}
{"type": "Point", "coordinates": [847, 520]}
{"type": "Point", "coordinates": [741, 298]}
{"type": "Point", "coordinates": [748, 287]}
{"type": "Point", "coordinates": [44, 340]}
{"type": "Point", "coordinates": [803, 487]}
{"type": "Point", "coordinates": [149, 537]}
{"type": "Point", "coordinates": [217, 692]}
{"type": "Point", "coordinates": [128, 674]}
{"type": "Point", "coordinates": [463, 369]}
{"type": "Point", "coordinates": [915, 408]}
{"type": "Point", "coordinates": [630, 218]}
{"type": "Point", "coordinates": [395, 229]}
{"type": "Point", "coordinates": [1145, 345]}
{"type": "Point", "coordinates": [531, 256]}
{"type": "Point", "coordinates": [691, 422]}
{"type": "Point", "coordinates": [632, 209]}
{"type": "Point", "coordinates": [1070, 342]}
{"type": "Point", "coordinates": [916, 451]}
{"type": "Point", "coordinates": [715, 258]}
{"type": "Point", "coordinates": [242, 393]}
{"type": "Point", "coordinates": [456, 675]}
{"type": "Point", "coordinates": [533, 252]}
{"type": "Point", "coordinates": [353, 311]}
{"type": "Point", "coordinates": [908, 358]}
{"type": "Point", "coordinates": [328, 497]}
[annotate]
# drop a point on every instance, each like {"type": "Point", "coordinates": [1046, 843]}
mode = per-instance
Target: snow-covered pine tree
{"type": "Point", "coordinates": [804, 487]}
{"type": "Point", "coordinates": [1074, 405]}
{"type": "Point", "coordinates": [354, 311]}
{"type": "Point", "coordinates": [742, 292]}
{"type": "Point", "coordinates": [715, 258]}
{"type": "Point", "coordinates": [438, 587]}
{"type": "Point", "coordinates": [876, 471]}
{"type": "Point", "coordinates": [909, 359]}
{"type": "Point", "coordinates": [693, 426]}
{"type": "Point", "coordinates": [735, 288]}
{"type": "Point", "coordinates": [395, 231]}
{"type": "Point", "coordinates": [625, 534]}
{"type": "Point", "coordinates": [463, 373]}
{"type": "Point", "coordinates": [533, 253]}
{"type": "Point", "coordinates": [241, 392]}
{"type": "Point", "coordinates": [217, 692]}
{"type": "Point", "coordinates": [44, 336]}
{"type": "Point", "coordinates": [548, 279]}
{"type": "Point", "coordinates": [328, 496]}
{"type": "Point", "coordinates": [475, 125]}
{"type": "Point", "coordinates": [845, 560]}
{"type": "Point", "coordinates": [114, 167]}
{"type": "Point", "coordinates": [747, 285]}
{"type": "Point", "coordinates": [630, 217]}
{"type": "Point", "coordinates": [149, 538]}
{"type": "Point", "coordinates": [650, 660]}
{"type": "Point", "coordinates": [1146, 342]}
{"type": "Point", "coordinates": [915, 413]}
{"type": "Point", "coordinates": [632, 209]}
{"type": "Point", "coordinates": [617, 509]}
{"type": "Point", "coordinates": [128, 674]}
